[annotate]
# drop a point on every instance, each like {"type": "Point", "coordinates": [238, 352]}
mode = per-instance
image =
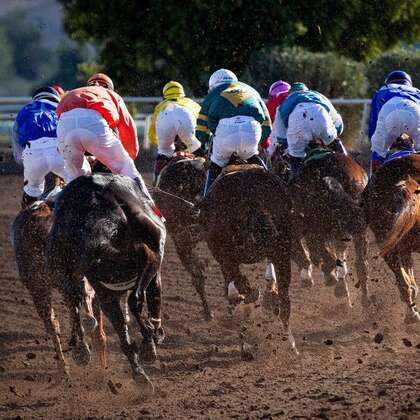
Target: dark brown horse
{"type": "Point", "coordinates": [104, 229]}
{"type": "Point", "coordinates": [184, 178]}
{"type": "Point", "coordinates": [326, 198]}
{"type": "Point", "coordinates": [392, 207]}
{"type": "Point", "coordinates": [246, 218]}
{"type": "Point", "coordinates": [30, 230]}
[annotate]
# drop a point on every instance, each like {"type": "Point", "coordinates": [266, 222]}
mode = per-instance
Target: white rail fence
{"type": "Point", "coordinates": [9, 106]}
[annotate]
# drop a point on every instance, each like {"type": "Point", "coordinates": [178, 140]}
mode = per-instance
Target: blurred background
{"type": "Point", "coordinates": [343, 48]}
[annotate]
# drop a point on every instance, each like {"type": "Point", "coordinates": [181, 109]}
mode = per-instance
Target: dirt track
{"type": "Point", "coordinates": [341, 371]}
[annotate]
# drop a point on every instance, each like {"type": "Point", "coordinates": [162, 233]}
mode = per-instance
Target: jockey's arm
{"type": "Point", "coordinates": [202, 130]}
{"type": "Point", "coordinates": [279, 132]}
{"type": "Point", "coordinates": [265, 124]}
{"type": "Point", "coordinates": [127, 131]}
{"type": "Point", "coordinates": [373, 115]}
{"type": "Point", "coordinates": [337, 120]}
{"type": "Point", "coordinates": [152, 128]}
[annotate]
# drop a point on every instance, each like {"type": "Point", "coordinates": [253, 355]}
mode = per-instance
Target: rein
{"type": "Point", "coordinates": [189, 203]}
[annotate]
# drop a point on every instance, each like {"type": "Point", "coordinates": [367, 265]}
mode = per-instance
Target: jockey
{"type": "Point", "coordinates": [95, 119]}
{"type": "Point", "coordinates": [174, 117]}
{"type": "Point", "coordinates": [304, 116]}
{"type": "Point", "coordinates": [34, 142]}
{"type": "Point", "coordinates": [395, 110]}
{"type": "Point", "coordinates": [276, 96]}
{"type": "Point", "coordinates": [237, 116]}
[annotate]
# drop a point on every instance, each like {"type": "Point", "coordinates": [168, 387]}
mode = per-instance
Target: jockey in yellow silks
{"type": "Point", "coordinates": [174, 117]}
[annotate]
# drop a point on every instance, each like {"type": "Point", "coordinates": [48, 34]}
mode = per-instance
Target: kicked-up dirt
{"type": "Point", "coordinates": [351, 364]}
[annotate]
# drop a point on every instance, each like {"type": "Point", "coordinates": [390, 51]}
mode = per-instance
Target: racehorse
{"type": "Point", "coordinates": [326, 196]}
{"type": "Point", "coordinates": [184, 178]}
{"type": "Point", "coordinates": [392, 206]}
{"type": "Point", "coordinates": [246, 218]}
{"type": "Point", "coordinates": [30, 230]}
{"type": "Point", "coordinates": [104, 229]}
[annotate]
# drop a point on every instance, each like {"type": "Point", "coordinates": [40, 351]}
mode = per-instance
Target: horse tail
{"type": "Point", "coordinates": [261, 224]}
{"type": "Point", "coordinates": [406, 217]}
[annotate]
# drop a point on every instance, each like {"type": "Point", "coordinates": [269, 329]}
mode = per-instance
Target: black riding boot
{"type": "Point", "coordinates": [212, 174]}
{"type": "Point", "coordinates": [160, 163]}
{"type": "Point", "coordinates": [338, 146]}
{"type": "Point", "coordinates": [257, 160]}
{"type": "Point", "coordinates": [27, 200]}
{"type": "Point", "coordinates": [295, 164]}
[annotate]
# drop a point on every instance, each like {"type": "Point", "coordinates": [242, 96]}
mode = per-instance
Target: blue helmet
{"type": "Point", "coordinates": [399, 77]}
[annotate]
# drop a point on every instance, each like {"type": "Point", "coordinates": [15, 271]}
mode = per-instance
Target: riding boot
{"type": "Point", "coordinates": [212, 174]}
{"type": "Point", "coordinates": [338, 146]}
{"type": "Point", "coordinates": [257, 160]}
{"type": "Point", "coordinates": [27, 200]}
{"type": "Point", "coordinates": [160, 163]}
{"type": "Point", "coordinates": [295, 164]}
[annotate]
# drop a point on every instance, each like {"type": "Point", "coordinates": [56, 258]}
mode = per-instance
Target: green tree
{"type": "Point", "coordinates": [6, 56]}
{"type": "Point", "coordinates": [31, 60]}
{"type": "Point", "coordinates": [144, 43]}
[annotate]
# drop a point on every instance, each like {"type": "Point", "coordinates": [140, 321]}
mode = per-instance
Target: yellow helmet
{"type": "Point", "coordinates": [173, 90]}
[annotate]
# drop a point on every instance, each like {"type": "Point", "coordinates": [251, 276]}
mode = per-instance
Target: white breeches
{"type": "Point", "coordinates": [396, 117]}
{"type": "Point", "coordinates": [239, 135]}
{"type": "Point", "coordinates": [176, 121]}
{"type": "Point", "coordinates": [308, 121]}
{"type": "Point", "coordinates": [84, 130]}
{"type": "Point", "coordinates": [39, 158]}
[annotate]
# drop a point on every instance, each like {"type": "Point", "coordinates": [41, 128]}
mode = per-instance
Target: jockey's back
{"type": "Point", "coordinates": [36, 120]}
{"type": "Point", "coordinates": [230, 100]}
{"type": "Point", "coordinates": [386, 93]}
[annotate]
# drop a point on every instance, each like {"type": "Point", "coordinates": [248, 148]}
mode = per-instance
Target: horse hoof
{"type": "Point", "coordinates": [306, 277]}
{"type": "Point", "coordinates": [306, 283]}
{"type": "Point", "coordinates": [89, 324]}
{"type": "Point", "coordinates": [144, 382]}
{"type": "Point", "coordinates": [81, 354]}
{"type": "Point", "coordinates": [252, 296]}
{"type": "Point", "coordinates": [340, 290]}
{"type": "Point", "coordinates": [159, 335]}
{"type": "Point", "coordinates": [147, 351]}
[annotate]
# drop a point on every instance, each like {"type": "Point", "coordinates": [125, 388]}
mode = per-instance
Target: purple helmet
{"type": "Point", "coordinates": [279, 87]}
{"type": "Point", "coordinates": [399, 77]}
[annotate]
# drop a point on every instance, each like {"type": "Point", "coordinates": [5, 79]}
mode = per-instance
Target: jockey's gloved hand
{"type": "Point", "coordinates": [200, 152]}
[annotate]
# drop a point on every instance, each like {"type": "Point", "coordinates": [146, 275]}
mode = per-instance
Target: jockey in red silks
{"type": "Point", "coordinates": [95, 119]}
{"type": "Point", "coordinates": [276, 95]}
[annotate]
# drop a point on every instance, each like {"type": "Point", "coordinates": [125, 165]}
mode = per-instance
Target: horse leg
{"type": "Point", "coordinates": [89, 321]}
{"type": "Point", "coordinates": [300, 257]}
{"type": "Point", "coordinates": [72, 291]}
{"type": "Point", "coordinates": [43, 305]}
{"type": "Point", "coordinates": [401, 263]}
{"type": "Point", "coordinates": [283, 269]}
{"type": "Point", "coordinates": [110, 305]}
{"type": "Point", "coordinates": [342, 287]}
{"type": "Point", "coordinates": [321, 256]}
{"type": "Point", "coordinates": [99, 336]}
{"type": "Point", "coordinates": [361, 261]}
{"type": "Point", "coordinates": [190, 260]}
{"type": "Point", "coordinates": [238, 287]}
{"type": "Point", "coordinates": [270, 277]}
{"type": "Point", "coordinates": [154, 305]}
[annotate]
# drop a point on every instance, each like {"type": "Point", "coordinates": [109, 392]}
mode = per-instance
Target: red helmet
{"type": "Point", "coordinates": [59, 89]}
{"type": "Point", "coordinates": [101, 79]}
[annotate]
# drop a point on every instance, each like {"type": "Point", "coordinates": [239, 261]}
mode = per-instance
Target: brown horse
{"type": "Point", "coordinates": [105, 229]}
{"type": "Point", "coordinates": [326, 197]}
{"type": "Point", "coordinates": [392, 206]}
{"type": "Point", "coordinates": [29, 233]}
{"type": "Point", "coordinates": [184, 178]}
{"type": "Point", "coordinates": [245, 219]}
